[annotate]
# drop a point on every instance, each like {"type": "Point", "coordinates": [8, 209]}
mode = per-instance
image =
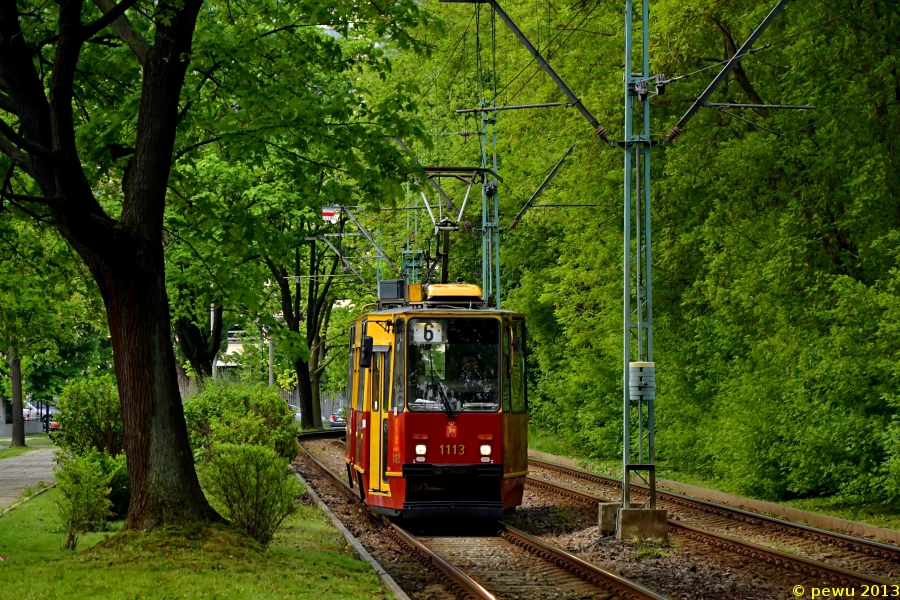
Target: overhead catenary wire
{"type": "Point", "coordinates": [449, 58]}
{"type": "Point", "coordinates": [563, 43]}
{"type": "Point", "coordinates": [776, 42]}
{"type": "Point", "coordinates": [827, 117]}
{"type": "Point", "coordinates": [544, 51]}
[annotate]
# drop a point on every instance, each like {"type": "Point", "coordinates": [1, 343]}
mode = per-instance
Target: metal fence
{"type": "Point", "coordinates": [331, 401]}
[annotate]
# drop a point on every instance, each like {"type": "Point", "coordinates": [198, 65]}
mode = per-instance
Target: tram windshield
{"type": "Point", "coordinates": [454, 365]}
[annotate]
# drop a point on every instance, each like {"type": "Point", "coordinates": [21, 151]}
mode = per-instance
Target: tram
{"type": "Point", "coordinates": [438, 419]}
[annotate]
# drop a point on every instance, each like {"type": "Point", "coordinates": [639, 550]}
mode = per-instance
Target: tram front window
{"type": "Point", "coordinates": [454, 365]}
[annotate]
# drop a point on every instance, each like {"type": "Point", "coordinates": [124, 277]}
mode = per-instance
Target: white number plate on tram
{"type": "Point", "coordinates": [428, 332]}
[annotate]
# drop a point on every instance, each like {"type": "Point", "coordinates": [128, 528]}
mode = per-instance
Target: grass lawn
{"type": "Point", "coordinates": [32, 442]}
{"type": "Point", "coordinates": [308, 559]}
{"type": "Point", "coordinates": [17, 451]}
{"type": "Point", "coordinates": [842, 508]}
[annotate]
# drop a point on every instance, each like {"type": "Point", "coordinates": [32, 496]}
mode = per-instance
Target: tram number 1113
{"type": "Point", "coordinates": [458, 450]}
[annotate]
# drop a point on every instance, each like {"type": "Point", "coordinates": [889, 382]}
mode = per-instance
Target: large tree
{"type": "Point", "coordinates": [91, 96]}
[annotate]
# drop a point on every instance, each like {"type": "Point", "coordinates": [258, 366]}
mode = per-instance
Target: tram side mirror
{"type": "Point", "coordinates": [365, 360]}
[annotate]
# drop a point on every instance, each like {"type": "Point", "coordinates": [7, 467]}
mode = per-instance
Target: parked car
{"type": "Point", "coordinates": [296, 410]}
{"type": "Point", "coordinates": [336, 420]}
{"type": "Point", "coordinates": [54, 429]}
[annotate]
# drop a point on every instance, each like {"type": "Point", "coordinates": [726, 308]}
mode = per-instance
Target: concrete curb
{"type": "Point", "coordinates": [787, 513]}
{"type": "Point", "coordinates": [363, 553]}
{"type": "Point", "coordinates": [21, 502]}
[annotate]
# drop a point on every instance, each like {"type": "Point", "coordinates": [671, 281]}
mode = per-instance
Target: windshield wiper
{"type": "Point", "coordinates": [451, 414]}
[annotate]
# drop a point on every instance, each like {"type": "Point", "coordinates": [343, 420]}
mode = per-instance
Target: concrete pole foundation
{"type": "Point", "coordinates": [608, 517]}
{"type": "Point", "coordinates": [641, 523]}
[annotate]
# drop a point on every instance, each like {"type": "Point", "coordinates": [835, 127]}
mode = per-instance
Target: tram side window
{"type": "Point", "coordinates": [350, 363]}
{"type": "Point", "coordinates": [519, 384]}
{"type": "Point", "coordinates": [507, 369]}
{"type": "Point", "coordinates": [386, 383]}
{"type": "Point", "coordinates": [399, 361]}
{"type": "Point", "coordinates": [377, 363]}
{"type": "Point", "coordinates": [360, 386]}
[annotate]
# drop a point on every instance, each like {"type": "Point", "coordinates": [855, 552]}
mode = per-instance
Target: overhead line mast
{"type": "Point", "coordinates": [639, 380]}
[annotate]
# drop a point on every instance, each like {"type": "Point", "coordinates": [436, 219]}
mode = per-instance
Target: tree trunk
{"type": "Point", "coordinates": [304, 387]}
{"type": "Point", "coordinates": [15, 373]}
{"type": "Point", "coordinates": [200, 346]}
{"type": "Point", "coordinates": [164, 485]}
{"type": "Point", "coordinates": [316, 398]}
{"type": "Point", "coordinates": [315, 359]}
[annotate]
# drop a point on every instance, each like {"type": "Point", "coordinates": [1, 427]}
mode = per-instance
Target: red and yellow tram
{"type": "Point", "coordinates": [438, 419]}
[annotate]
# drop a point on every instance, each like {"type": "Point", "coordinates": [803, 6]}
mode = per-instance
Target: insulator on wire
{"type": "Point", "coordinates": [673, 133]}
{"type": "Point", "coordinates": [642, 90]}
{"type": "Point", "coordinates": [601, 133]}
{"type": "Point", "coordinates": [466, 133]}
{"type": "Point", "coordinates": [661, 84]}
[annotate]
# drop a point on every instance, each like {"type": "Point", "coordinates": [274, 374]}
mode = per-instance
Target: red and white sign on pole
{"type": "Point", "coordinates": [332, 214]}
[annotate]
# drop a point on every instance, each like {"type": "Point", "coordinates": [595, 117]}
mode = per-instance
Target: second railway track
{"type": "Point", "coordinates": [863, 562]}
{"type": "Point", "coordinates": [505, 564]}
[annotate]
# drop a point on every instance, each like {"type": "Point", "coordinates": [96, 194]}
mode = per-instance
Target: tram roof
{"type": "Point", "coordinates": [442, 309]}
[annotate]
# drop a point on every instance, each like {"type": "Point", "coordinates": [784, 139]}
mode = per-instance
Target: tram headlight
{"type": "Point", "coordinates": [420, 449]}
{"type": "Point", "coordinates": [486, 450]}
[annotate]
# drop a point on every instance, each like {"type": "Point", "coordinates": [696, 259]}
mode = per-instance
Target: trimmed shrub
{"type": "Point", "coordinates": [89, 417]}
{"type": "Point", "coordinates": [240, 414]}
{"type": "Point", "coordinates": [84, 503]}
{"type": "Point", "coordinates": [252, 486]}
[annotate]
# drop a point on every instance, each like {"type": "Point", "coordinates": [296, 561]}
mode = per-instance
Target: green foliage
{"type": "Point", "coordinates": [253, 486]}
{"type": "Point", "coordinates": [84, 487]}
{"type": "Point", "coordinates": [239, 413]}
{"type": "Point", "coordinates": [46, 310]}
{"type": "Point", "coordinates": [776, 287]}
{"type": "Point", "coordinates": [90, 418]}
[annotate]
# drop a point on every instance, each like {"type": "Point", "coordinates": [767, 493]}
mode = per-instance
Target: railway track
{"type": "Point", "coordinates": [796, 563]}
{"type": "Point", "coordinates": [507, 564]}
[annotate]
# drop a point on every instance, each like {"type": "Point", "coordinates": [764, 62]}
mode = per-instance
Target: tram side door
{"type": "Point", "coordinates": [378, 434]}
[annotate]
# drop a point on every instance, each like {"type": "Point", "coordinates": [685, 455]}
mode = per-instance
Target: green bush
{"type": "Point", "coordinates": [84, 487]}
{"type": "Point", "coordinates": [116, 468]}
{"type": "Point", "coordinates": [89, 417]}
{"type": "Point", "coordinates": [240, 414]}
{"type": "Point", "coordinates": [251, 485]}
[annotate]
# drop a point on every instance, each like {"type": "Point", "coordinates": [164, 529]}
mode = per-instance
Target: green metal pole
{"type": "Point", "coordinates": [495, 229]}
{"type": "Point", "coordinates": [626, 333]}
{"type": "Point", "coordinates": [485, 220]}
{"type": "Point", "coordinates": [648, 272]}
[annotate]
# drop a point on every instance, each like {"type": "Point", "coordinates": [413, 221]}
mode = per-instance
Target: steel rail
{"type": "Point", "coordinates": [843, 541]}
{"type": "Point", "coordinates": [792, 562]}
{"type": "Point", "coordinates": [609, 582]}
{"type": "Point", "coordinates": [466, 587]}
{"type": "Point", "coordinates": [462, 585]}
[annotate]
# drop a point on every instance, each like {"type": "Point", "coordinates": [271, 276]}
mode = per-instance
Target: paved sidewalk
{"type": "Point", "coordinates": [19, 472]}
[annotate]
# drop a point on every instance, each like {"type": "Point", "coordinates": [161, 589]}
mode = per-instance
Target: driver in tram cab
{"type": "Point", "coordinates": [470, 370]}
